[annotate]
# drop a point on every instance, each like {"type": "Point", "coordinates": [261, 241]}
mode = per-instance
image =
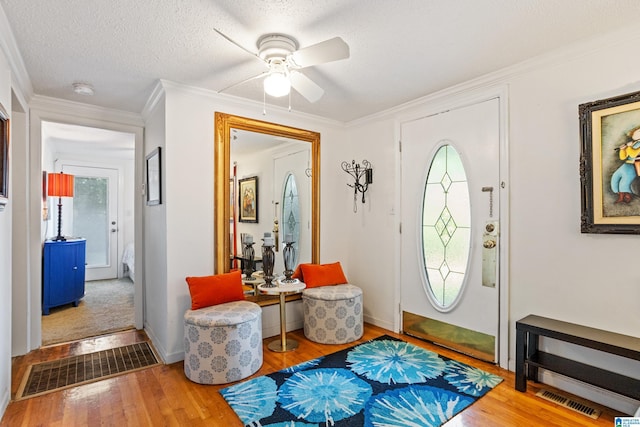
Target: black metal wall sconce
{"type": "Point", "coordinates": [362, 176]}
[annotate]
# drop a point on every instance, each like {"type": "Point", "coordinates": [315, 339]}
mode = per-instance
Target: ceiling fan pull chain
{"type": "Point", "coordinates": [264, 103]}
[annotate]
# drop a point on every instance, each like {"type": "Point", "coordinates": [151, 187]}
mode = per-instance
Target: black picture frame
{"type": "Point", "coordinates": [606, 126]}
{"type": "Point", "coordinates": [4, 157]}
{"type": "Point", "coordinates": [248, 199]}
{"type": "Point", "coordinates": [154, 177]}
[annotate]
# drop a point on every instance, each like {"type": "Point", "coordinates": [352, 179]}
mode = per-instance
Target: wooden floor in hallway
{"type": "Point", "coordinates": [163, 396]}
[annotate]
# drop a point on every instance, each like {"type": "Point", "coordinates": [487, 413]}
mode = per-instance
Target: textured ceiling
{"type": "Point", "coordinates": [400, 49]}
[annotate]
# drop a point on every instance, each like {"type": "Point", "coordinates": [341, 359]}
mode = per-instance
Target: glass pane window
{"type": "Point", "coordinates": [90, 217]}
{"type": "Point", "coordinates": [446, 228]}
{"type": "Point", "coordinates": [291, 213]}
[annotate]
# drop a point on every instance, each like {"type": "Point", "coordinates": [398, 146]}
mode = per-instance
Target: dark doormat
{"type": "Point", "coordinates": [46, 377]}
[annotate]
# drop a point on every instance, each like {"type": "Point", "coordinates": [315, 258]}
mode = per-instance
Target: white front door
{"type": "Point", "coordinates": [93, 214]}
{"type": "Point", "coordinates": [449, 275]}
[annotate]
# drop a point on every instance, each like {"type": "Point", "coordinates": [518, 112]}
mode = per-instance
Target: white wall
{"type": "Point", "coordinates": [373, 230]}
{"type": "Point", "coordinates": [555, 271]}
{"type": "Point", "coordinates": [20, 295]}
{"type": "Point", "coordinates": [155, 239]}
{"type": "Point", "coordinates": [188, 197]}
{"type": "Point", "coordinates": [5, 259]}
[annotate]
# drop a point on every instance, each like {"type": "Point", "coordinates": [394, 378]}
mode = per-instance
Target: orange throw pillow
{"type": "Point", "coordinates": [212, 290]}
{"type": "Point", "coordinates": [297, 274]}
{"type": "Point", "coordinates": [316, 275]}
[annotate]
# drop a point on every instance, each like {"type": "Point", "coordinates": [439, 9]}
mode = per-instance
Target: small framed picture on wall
{"type": "Point", "coordinates": [248, 199]}
{"type": "Point", "coordinates": [154, 178]}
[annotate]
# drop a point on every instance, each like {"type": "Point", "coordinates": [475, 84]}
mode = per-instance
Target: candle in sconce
{"type": "Point", "coordinates": [288, 238]}
{"type": "Point", "coordinates": [269, 241]}
{"type": "Point", "coordinates": [248, 239]}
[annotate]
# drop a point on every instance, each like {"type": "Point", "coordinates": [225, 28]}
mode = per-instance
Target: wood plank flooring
{"type": "Point", "coordinates": [163, 396]}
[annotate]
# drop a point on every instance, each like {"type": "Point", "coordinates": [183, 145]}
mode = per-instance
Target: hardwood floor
{"type": "Point", "coordinates": [163, 396]}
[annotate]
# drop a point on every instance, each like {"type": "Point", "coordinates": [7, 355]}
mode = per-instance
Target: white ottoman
{"type": "Point", "coordinates": [223, 343]}
{"type": "Point", "coordinates": [333, 314]}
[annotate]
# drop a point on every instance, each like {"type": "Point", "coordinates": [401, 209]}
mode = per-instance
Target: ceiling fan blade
{"type": "Point", "coordinates": [326, 51]}
{"type": "Point", "coordinates": [306, 87]}
{"type": "Point", "coordinates": [266, 73]}
{"type": "Point", "coordinates": [237, 44]}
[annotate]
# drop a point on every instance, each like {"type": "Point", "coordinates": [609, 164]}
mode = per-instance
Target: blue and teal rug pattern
{"type": "Point", "coordinates": [383, 382]}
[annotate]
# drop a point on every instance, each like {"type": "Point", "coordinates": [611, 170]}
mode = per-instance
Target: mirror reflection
{"type": "Point", "coordinates": [291, 215]}
{"type": "Point", "coordinates": [266, 188]}
{"type": "Point", "coordinates": [280, 201]}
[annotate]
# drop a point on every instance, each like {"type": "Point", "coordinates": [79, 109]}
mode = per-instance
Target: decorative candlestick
{"type": "Point", "coordinates": [268, 259]}
{"type": "Point", "coordinates": [289, 255]}
{"type": "Point", "coordinates": [248, 253]}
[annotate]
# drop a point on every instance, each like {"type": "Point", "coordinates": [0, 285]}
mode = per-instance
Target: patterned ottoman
{"type": "Point", "coordinates": [333, 314]}
{"type": "Point", "coordinates": [223, 343]}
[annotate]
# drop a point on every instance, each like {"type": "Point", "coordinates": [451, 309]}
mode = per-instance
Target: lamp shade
{"type": "Point", "coordinates": [277, 84]}
{"type": "Point", "coordinates": [60, 185]}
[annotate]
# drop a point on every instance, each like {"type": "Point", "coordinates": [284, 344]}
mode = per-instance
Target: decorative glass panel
{"type": "Point", "coordinates": [291, 213]}
{"type": "Point", "coordinates": [446, 228]}
{"type": "Point", "coordinates": [90, 217]}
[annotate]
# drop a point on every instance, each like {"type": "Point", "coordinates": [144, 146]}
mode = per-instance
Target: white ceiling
{"type": "Point", "coordinates": [400, 49]}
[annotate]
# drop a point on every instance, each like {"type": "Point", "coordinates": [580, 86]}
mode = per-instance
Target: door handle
{"type": "Point", "coordinates": [113, 230]}
{"type": "Point", "coordinates": [489, 244]}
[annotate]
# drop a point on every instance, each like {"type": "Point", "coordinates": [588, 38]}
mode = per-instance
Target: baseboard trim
{"type": "Point", "coordinates": [4, 402]}
{"type": "Point", "coordinates": [380, 323]}
{"type": "Point", "coordinates": [160, 350]}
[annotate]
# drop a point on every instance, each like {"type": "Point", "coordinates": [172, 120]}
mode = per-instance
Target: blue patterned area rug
{"type": "Point", "coordinates": [383, 382]}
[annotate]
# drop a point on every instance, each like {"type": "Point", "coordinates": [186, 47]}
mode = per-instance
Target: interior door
{"type": "Point", "coordinates": [93, 214]}
{"type": "Point", "coordinates": [450, 228]}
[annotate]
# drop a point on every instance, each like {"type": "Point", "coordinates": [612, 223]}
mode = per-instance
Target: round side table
{"type": "Point", "coordinates": [282, 290]}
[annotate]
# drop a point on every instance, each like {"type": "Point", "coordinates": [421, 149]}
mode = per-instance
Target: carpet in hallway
{"type": "Point", "coordinates": [107, 307]}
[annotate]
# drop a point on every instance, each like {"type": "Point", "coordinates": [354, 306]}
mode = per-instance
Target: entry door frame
{"type": "Point", "coordinates": [43, 111]}
{"type": "Point", "coordinates": [442, 104]}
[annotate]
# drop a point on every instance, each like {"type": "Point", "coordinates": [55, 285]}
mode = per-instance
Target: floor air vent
{"type": "Point", "coordinates": [561, 400]}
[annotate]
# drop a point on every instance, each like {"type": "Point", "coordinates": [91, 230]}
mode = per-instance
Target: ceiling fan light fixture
{"type": "Point", "coordinates": [277, 84]}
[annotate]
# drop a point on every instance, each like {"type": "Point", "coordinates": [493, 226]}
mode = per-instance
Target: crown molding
{"type": "Point", "coordinates": [21, 82]}
{"type": "Point", "coordinates": [154, 99]}
{"type": "Point", "coordinates": [71, 108]}
{"type": "Point", "coordinates": [231, 103]}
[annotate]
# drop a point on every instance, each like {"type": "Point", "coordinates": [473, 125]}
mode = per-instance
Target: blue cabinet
{"type": "Point", "coordinates": [63, 273]}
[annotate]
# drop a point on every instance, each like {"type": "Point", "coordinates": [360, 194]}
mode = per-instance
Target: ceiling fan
{"type": "Point", "coordinates": [284, 61]}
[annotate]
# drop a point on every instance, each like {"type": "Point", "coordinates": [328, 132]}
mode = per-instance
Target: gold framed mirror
{"type": "Point", "coordinates": [225, 125]}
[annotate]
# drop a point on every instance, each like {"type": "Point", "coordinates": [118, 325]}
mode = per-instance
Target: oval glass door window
{"type": "Point", "coordinates": [446, 228]}
{"type": "Point", "coordinates": [291, 213]}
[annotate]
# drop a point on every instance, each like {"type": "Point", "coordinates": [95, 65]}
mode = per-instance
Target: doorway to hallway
{"type": "Point", "coordinates": [101, 211]}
